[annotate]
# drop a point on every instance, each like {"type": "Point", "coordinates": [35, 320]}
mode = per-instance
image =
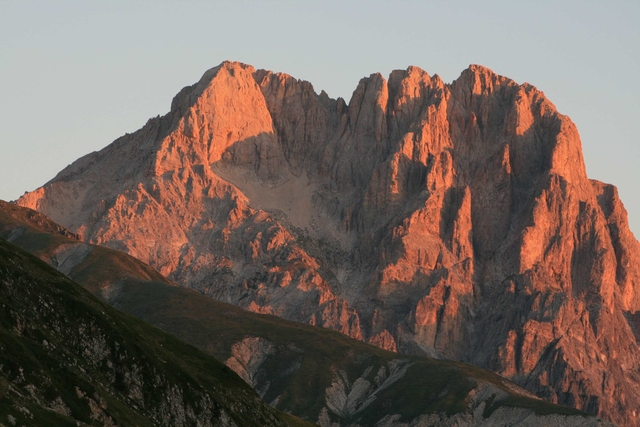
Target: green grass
{"type": "Point", "coordinates": [294, 421]}
{"type": "Point", "coordinates": [539, 406]}
{"type": "Point", "coordinates": [103, 265]}
{"type": "Point", "coordinates": [39, 416]}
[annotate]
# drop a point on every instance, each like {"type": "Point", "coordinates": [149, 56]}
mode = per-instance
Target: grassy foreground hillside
{"type": "Point", "coordinates": [67, 359]}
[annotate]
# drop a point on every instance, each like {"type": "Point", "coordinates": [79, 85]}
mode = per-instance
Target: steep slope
{"type": "Point", "coordinates": [450, 220]}
{"type": "Point", "coordinates": [69, 360]}
{"type": "Point", "coordinates": [309, 371]}
{"type": "Point", "coordinates": [326, 377]}
{"type": "Point", "coordinates": [100, 270]}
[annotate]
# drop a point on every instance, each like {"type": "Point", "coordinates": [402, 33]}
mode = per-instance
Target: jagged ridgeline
{"type": "Point", "coordinates": [449, 220]}
{"type": "Point", "coordinates": [315, 373]}
{"type": "Point", "coordinates": [66, 359]}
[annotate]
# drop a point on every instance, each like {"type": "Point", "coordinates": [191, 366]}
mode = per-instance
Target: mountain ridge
{"type": "Point", "coordinates": [416, 217]}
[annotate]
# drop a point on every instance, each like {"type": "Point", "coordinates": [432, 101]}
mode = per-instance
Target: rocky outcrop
{"type": "Point", "coordinates": [371, 390]}
{"type": "Point", "coordinates": [247, 357]}
{"type": "Point", "coordinates": [453, 220]}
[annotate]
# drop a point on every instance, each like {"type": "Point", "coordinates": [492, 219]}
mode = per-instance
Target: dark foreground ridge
{"type": "Point", "coordinates": [68, 360]}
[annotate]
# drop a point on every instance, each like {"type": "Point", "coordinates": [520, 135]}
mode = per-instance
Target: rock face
{"type": "Point", "coordinates": [452, 220]}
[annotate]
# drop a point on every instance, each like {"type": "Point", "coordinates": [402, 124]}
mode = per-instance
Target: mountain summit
{"type": "Point", "coordinates": [452, 220]}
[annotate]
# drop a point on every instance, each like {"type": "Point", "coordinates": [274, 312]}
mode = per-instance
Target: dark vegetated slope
{"type": "Point", "coordinates": [95, 267]}
{"type": "Point", "coordinates": [69, 359]}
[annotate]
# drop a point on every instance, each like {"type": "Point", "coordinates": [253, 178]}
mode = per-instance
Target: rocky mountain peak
{"type": "Point", "coordinates": [453, 220]}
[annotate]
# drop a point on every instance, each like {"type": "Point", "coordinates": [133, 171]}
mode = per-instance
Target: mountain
{"type": "Point", "coordinates": [451, 220]}
{"type": "Point", "coordinates": [312, 372]}
{"type": "Point", "coordinates": [69, 360]}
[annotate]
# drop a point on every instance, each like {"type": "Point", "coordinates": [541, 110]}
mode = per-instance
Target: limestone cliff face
{"type": "Point", "coordinates": [453, 220]}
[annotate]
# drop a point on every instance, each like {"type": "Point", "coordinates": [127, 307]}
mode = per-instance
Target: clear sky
{"type": "Point", "coordinates": [74, 76]}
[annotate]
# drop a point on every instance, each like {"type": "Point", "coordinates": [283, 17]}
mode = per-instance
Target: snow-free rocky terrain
{"type": "Point", "coordinates": [315, 373]}
{"type": "Point", "coordinates": [451, 220]}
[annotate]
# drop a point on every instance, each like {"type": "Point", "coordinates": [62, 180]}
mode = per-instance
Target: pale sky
{"type": "Point", "coordinates": [74, 76]}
